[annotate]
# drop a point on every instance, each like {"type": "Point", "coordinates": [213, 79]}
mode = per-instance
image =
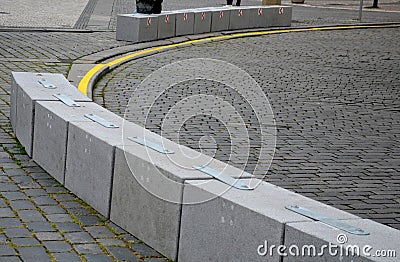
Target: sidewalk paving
{"type": "Point", "coordinates": [383, 5]}
{"type": "Point", "coordinates": [41, 221]}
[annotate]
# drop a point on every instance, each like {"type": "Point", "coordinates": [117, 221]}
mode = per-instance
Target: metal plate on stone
{"type": "Point", "coordinates": [152, 145]}
{"type": "Point", "coordinates": [327, 220]}
{"type": "Point", "coordinates": [223, 178]}
{"type": "Point", "coordinates": [46, 84]}
{"type": "Point", "coordinates": [66, 100]}
{"type": "Point", "coordinates": [101, 121]}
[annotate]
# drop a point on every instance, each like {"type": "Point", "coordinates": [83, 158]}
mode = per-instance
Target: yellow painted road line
{"type": "Point", "coordinates": [84, 84]}
{"type": "Point", "coordinates": [161, 48]}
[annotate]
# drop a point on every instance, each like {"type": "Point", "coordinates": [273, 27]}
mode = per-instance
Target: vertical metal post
{"type": "Point", "coordinates": [361, 10]}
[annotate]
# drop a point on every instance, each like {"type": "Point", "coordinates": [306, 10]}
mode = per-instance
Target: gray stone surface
{"type": "Point", "coordinates": [280, 16]}
{"type": "Point", "coordinates": [184, 22]}
{"type": "Point", "coordinates": [99, 258]}
{"type": "Point", "coordinates": [32, 51]}
{"type": "Point", "coordinates": [242, 17]}
{"type": "Point", "coordinates": [122, 254]}
{"type": "Point", "coordinates": [333, 99]}
{"type": "Point", "coordinates": [220, 19]}
{"type": "Point", "coordinates": [57, 246]}
{"type": "Point", "coordinates": [146, 201]}
{"type": "Point", "coordinates": [235, 217]}
{"type": "Point", "coordinates": [147, 190]}
{"type": "Point", "coordinates": [260, 17]}
{"type": "Point", "coordinates": [166, 25]}
{"type": "Point", "coordinates": [78, 71]}
{"type": "Point", "coordinates": [54, 51]}
{"type": "Point", "coordinates": [380, 245]}
{"type": "Point", "coordinates": [137, 27]}
{"type": "Point", "coordinates": [52, 120]}
{"type": "Point", "coordinates": [67, 256]}
{"type": "Point", "coordinates": [202, 21]}
{"type": "Point", "coordinates": [20, 13]}
{"type": "Point", "coordinates": [100, 18]}
{"type": "Point", "coordinates": [36, 253]}
{"type": "Point", "coordinates": [28, 91]}
{"type": "Point", "coordinates": [89, 162]}
{"type": "Point", "coordinates": [13, 104]}
{"type": "Point", "coordinates": [90, 159]}
{"type": "Point", "coordinates": [7, 250]}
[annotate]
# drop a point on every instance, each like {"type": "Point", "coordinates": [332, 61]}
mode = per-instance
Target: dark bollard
{"type": "Point", "coordinates": [149, 6]}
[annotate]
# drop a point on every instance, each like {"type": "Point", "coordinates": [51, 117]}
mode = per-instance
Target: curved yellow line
{"type": "Point", "coordinates": [83, 85]}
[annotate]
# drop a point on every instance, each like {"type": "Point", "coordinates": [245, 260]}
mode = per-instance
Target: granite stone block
{"type": "Point", "coordinates": [137, 27]}
{"type": "Point", "coordinates": [52, 120]}
{"type": "Point", "coordinates": [28, 91]}
{"type": "Point", "coordinates": [228, 224]}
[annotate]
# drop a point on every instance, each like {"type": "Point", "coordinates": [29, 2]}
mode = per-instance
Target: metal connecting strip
{"type": "Point", "coordinates": [66, 100]}
{"type": "Point", "coordinates": [152, 145]}
{"type": "Point", "coordinates": [327, 220]}
{"type": "Point", "coordinates": [101, 121]}
{"type": "Point", "coordinates": [223, 178]}
{"type": "Point", "coordinates": [46, 84]}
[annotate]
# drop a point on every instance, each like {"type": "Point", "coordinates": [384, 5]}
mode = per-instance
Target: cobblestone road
{"type": "Point", "coordinates": [39, 219]}
{"type": "Point", "coordinates": [335, 99]}
{"type": "Point", "coordinates": [333, 94]}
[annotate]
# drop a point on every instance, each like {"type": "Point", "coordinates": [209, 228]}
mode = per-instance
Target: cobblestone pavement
{"type": "Point", "coordinates": [383, 5]}
{"type": "Point", "coordinates": [326, 112]}
{"type": "Point", "coordinates": [101, 14]}
{"type": "Point", "coordinates": [39, 219]}
{"type": "Point", "coordinates": [335, 99]}
{"type": "Point", "coordinates": [320, 12]}
{"type": "Point", "coordinates": [40, 13]}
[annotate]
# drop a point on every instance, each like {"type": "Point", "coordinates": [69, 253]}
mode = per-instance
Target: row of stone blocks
{"type": "Point", "coordinates": [183, 213]}
{"type": "Point", "coordinates": [141, 27]}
